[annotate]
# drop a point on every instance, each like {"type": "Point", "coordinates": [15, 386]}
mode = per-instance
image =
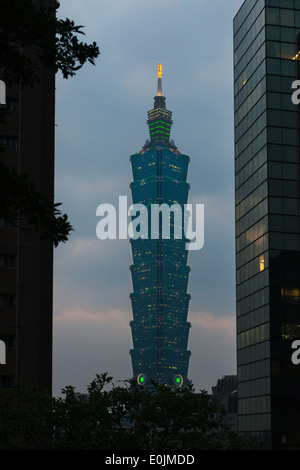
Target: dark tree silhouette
{"type": "Point", "coordinates": [114, 417]}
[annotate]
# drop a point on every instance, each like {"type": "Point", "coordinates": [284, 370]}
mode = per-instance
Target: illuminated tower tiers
{"type": "Point", "coordinates": [159, 270]}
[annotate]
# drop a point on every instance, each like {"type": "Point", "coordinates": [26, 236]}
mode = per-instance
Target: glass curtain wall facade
{"type": "Point", "coordinates": [159, 271]}
{"type": "Point", "coordinates": [266, 44]}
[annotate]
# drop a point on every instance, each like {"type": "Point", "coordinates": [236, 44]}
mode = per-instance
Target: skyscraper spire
{"type": "Point", "coordinates": [159, 118]}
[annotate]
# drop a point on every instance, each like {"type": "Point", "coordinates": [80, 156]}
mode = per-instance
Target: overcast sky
{"type": "Point", "coordinates": [100, 121]}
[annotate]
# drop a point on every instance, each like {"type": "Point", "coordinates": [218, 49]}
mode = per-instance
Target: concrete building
{"type": "Point", "coordinates": [226, 393]}
{"type": "Point", "coordinates": [26, 262]}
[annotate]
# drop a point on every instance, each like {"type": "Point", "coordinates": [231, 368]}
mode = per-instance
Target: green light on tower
{"type": "Point", "coordinates": [178, 380]}
{"type": "Point", "coordinates": [141, 379]}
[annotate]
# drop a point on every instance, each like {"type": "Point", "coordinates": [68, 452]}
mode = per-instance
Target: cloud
{"type": "Point", "coordinates": [92, 274]}
{"type": "Point", "coordinates": [212, 342]}
{"type": "Point", "coordinates": [85, 192]}
{"type": "Point", "coordinates": [223, 326]}
{"type": "Point", "coordinates": [90, 341]}
{"type": "Point", "coordinates": [98, 316]}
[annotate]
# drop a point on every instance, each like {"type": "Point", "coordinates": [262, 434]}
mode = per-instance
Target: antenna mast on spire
{"type": "Point", "coordinates": [159, 80]}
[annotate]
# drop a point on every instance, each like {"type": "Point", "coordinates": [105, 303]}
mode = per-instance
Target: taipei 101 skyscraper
{"type": "Point", "coordinates": [159, 271]}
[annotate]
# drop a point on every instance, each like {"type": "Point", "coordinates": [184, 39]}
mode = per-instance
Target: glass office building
{"type": "Point", "coordinates": [266, 47]}
{"type": "Point", "coordinates": [159, 271]}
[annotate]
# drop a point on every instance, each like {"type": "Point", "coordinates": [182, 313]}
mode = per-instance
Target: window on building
{"type": "Point", "coordinates": [12, 103]}
{"type": "Point", "coordinates": [6, 380]}
{"type": "Point", "coordinates": [7, 300]}
{"type": "Point", "coordinates": [7, 261]}
{"type": "Point", "coordinates": [4, 223]}
{"type": "Point", "coordinates": [290, 295]}
{"type": "Point", "coordinates": [9, 142]}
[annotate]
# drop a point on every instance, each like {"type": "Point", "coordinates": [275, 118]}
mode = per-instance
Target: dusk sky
{"type": "Point", "coordinates": [100, 121]}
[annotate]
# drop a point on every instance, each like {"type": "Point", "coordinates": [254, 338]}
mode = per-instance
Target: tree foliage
{"type": "Point", "coordinates": [114, 417]}
{"type": "Point", "coordinates": [31, 37]}
{"type": "Point", "coordinates": [22, 204]}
